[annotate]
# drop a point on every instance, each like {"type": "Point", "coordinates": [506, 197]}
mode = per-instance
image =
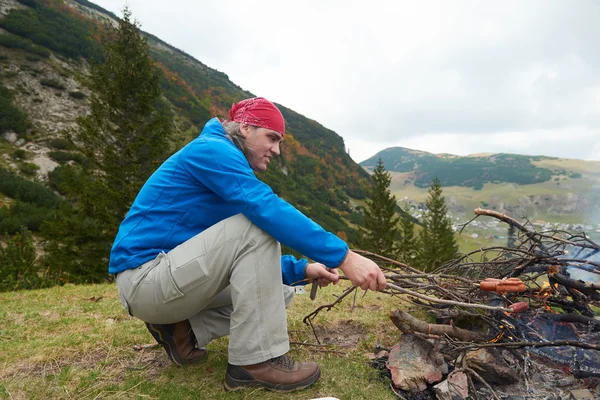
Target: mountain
{"type": "Point", "coordinates": [470, 171]}
{"type": "Point", "coordinates": [46, 47]}
{"type": "Point", "coordinates": [538, 187]}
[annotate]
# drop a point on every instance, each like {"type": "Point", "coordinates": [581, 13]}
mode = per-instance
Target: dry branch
{"type": "Point", "coordinates": [408, 324]}
{"type": "Point", "coordinates": [449, 302]}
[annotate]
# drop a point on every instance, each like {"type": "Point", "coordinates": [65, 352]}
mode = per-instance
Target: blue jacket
{"type": "Point", "coordinates": [202, 184]}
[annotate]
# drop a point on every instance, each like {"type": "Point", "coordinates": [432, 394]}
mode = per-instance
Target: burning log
{"type": "Point", "coordinates": [587, 288]}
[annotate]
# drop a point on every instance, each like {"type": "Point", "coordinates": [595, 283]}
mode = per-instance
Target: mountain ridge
{"type": "Point", "coordinates": [539, 187]}
{"type": "Point", "coordinates": [468, 171]}
{"type": "Point", "coordinates": [43, 66]}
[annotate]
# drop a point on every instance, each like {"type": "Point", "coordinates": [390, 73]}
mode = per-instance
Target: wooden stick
{"type": "Point", "coordinates": [450, 302]}
{"type": "Point", "coordinates": [514, 345]}
{"type": "Point", "coordinates": [382, 258]}
{"type": "Point", "coordinates": [407, 323]}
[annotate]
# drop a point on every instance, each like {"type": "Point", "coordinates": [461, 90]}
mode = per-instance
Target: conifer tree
{"type": "Point", "coordinates": [437, 238]}
{"type": "Point", "coordinates": [381, 222]}
{"type": "Point", "coordinates": [511, 240]}
{"type": "Point", "coordinates": [124, 138]}
{"type": "Point", "coordinates": [407, 247]}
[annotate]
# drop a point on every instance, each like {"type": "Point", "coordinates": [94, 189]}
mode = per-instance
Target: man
{"type": "Point", "coordinates": [198, 255]}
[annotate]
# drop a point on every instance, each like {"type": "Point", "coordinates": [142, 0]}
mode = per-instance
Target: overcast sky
{"type": "Point", "coordinates": [457, 77]}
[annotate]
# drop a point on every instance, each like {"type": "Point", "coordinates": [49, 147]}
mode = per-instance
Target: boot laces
{"type": "Point", "coordinates": [284, 361]}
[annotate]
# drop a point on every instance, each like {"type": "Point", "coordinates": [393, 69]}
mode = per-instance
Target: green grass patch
{"type": "Point", "coordinates": [77, 342]}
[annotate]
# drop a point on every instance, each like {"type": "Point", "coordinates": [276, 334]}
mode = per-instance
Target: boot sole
{"type": "Point", "coordinates": [232, 384]}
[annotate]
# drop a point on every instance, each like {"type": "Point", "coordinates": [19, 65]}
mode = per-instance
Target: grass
{"type": "Point", "coordinates": [77, 342]}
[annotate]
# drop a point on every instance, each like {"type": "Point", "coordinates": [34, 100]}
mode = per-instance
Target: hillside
{"type": "Point", "coordinates": [470, 171]}
{"type": "Point", "coordinates": [545, 189]}
{"type": "Point", "coordinates": [46, 47]}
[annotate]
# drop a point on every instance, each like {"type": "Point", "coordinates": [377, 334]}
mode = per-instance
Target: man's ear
{"type": "Point", "coordinates": [245, 129]}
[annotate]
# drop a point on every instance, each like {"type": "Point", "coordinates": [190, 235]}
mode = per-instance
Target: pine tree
{"type": "Point", "coordinates": [407, 247]}
{"type": "Point", "coordinates": [381, 221]}
{"type": "Point", "coordinates": [437, 238]}
{"type": "Point", "coordinates": [124, 138]}
{"type": "Point", "coordinates": [511, 239]}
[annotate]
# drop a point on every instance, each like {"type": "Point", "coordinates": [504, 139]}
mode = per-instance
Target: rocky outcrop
{"type": "Point", "coordinates": [7, 5]}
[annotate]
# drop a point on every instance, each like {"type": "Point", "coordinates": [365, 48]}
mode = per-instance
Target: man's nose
{"type": "Point", "coordinates": [275, 149]}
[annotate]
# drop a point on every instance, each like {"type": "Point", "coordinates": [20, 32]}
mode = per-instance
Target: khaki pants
{"type": "Point", "coordinates": [226, 280]}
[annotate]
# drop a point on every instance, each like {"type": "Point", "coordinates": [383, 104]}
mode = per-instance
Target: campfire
{"type": "Point", "coordinates": [499, 322]}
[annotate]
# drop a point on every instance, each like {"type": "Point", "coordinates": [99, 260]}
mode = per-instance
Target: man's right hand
{"type": "Point", "coordinates": [363, 272]}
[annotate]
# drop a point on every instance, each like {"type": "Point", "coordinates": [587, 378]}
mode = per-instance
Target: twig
{"type": "Point", "coordinates": [512, 345]}
{"type": "Point", "coordinates": [487, 385]}
{"type": "Point", "coordinates": [450, 302]}
{"type": "Point", "coordinates": [308, 319]}
{"type": "Point", "coordinates": [139, 347]}
{"type": "Point", "coordinates": [396, 393]}
{"type": "Point", "coordinates": [354, 300]}
{"type": "Point", "coordinates": [311, 344]}
{"type": "Point", "coordinates": [389, 260]}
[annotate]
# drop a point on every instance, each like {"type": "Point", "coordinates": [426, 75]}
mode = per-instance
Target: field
{"type": "Point", "coordinates": [77, 342]}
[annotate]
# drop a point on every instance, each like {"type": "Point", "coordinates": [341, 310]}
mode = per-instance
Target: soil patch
{"type": "Point", "coordinates": [346, 333]}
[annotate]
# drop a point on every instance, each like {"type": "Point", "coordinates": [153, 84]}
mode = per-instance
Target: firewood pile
{"type": "Point", "coordinates": [499, 322]}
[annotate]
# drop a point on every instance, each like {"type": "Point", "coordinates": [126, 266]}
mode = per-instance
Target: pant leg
{"type": "Point", "coordinates": [180, 284]}
{"type": "Point", "coordinates": [213, 322]}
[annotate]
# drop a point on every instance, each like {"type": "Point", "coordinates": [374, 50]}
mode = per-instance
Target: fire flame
{"type": "Point", "coordinates": [497, 338]}
{"type": "Point", "coordinates": [545, 292]}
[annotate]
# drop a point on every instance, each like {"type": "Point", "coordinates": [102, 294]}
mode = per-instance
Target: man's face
{"type": "Point", "coordinates": [262, 144]}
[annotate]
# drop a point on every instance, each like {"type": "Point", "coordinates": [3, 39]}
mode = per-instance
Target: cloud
{"type": "Point", "coordinates": [469, 76]}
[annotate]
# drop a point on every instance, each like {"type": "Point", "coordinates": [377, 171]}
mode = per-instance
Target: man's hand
{"type": "Point", "coordinates": [363, 272]}
{"type": "Point", "coordinates": [323, 275]}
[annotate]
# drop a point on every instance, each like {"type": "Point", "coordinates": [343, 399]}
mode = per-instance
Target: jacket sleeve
{"type": "Point", "coordinates": [223, 168]}
{"type": "Point", "coordinates": [293, 270]}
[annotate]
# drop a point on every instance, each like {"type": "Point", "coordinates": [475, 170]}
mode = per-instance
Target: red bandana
{"type": "Point", "coordinates": [260, 112]}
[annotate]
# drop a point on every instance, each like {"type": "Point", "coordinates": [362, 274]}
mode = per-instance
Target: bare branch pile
{"type": "Point", "coordinates": [539, 296]}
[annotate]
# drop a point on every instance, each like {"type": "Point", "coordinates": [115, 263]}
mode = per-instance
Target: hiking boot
{"type": "Point", "coordinates": [281, 374]}
{"type": "Point", "coordinates": [179, 342]}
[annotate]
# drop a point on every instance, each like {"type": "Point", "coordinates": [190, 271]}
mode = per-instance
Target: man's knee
{"type": "Point", "coordinates": [241, 224]}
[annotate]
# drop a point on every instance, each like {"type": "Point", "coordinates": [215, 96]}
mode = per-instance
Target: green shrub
{"type": "Point", "coordinates": [16, 42]}
{"type": "Point", "coordinates": [20, 215]}
{"type": "Point", "coordinates": [24, 190]}
{"type": "Point", "coordinates": [18, 263]}
{"type": "Point", "coordinates": [54, 30]}
{"type": "Point", "coordinates": [10, 74]}
{"type": "Point", "coordinates": [63, 157]}
{"type": "Point", "coordinates": [3, 57]}
{"type": "Point", "coordinates": [29, 169]}
{"type": "Point", "coordinates": [77, 95]}
{"type": "Point", "coordinates": [59, 144]}
{"type": "Point", "coordinates": [53, 83]}
{"type": "Point", "coordinates": [33, 58]}
{"type": "Point", "coordinates": [19, 154]}
{"type": "Point", "coordinates": [11, 117]}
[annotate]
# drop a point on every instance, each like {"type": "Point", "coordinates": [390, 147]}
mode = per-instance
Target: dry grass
{"type": "Point", "coordinates": [77, 342]}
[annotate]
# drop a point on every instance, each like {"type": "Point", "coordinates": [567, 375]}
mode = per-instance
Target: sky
{"type": "Point", "coordinates": [458, 77]}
